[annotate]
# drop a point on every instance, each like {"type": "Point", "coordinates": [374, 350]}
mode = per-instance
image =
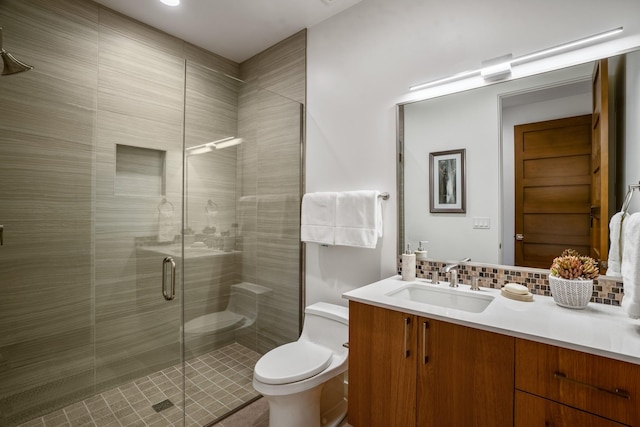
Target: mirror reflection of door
{"type": "Point", "coordinates": [552, 189]}
{"type": "Point", "coordinates": [553, 209]}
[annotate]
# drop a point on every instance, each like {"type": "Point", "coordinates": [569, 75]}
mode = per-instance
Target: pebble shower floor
{"type": "Point", "coordinates": [216, 382]}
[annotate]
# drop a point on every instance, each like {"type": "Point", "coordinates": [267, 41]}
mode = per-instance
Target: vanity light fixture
{"type": "Point", "coordinates": [566, 46]}
{"type": "Point", "coordinates": [500, 68]}
{"type": "Point", "coordinates": [459, 76]}
{"type": "Point", "coordinates": [171, 2]}
{"type": "Point", "coordinates": [227, 142]}
{"type": "Point", "coordinates": [199, 149]}
{"type": "Point", "coordinates": [214, 145]}
{"type": "Point", "coordinates": [496, 69]}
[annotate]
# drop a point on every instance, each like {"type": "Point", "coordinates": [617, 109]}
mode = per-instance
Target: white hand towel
{"type": "Point", "coordinates": [318, 218]}
{"type": "Point", "coordinates": [166, 230]}
{"type": "Point", "coordinates": [358, 219]}
{"type": "Point", "coordinates": [615, 250]}
{"type": "Point", "coordinates": [630, 267]}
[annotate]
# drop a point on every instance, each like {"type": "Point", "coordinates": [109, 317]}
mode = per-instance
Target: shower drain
{"type": "Point", "coordinates": [165, 404]}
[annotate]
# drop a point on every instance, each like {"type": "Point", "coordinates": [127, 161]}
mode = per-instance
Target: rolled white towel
{"type": "Point", "coordinates": [615, 250]}
{"type": "Point", "coordinates": [630, 267]}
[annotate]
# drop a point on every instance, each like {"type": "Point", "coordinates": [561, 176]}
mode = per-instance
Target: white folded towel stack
{"type": "Point", "coordinates": [630, 267]}
{"type": "Point", "coordinates": [617, 243]}
{"type": "Point", "coordinates": [358, 219]}
{"type": "Point", "coordinates": [318, 218]}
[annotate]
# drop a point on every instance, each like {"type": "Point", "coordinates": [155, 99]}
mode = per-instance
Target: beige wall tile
{"type": "Point", "coordinates": [210, 60]}
{"type": "Point", "coordinates": [103, 79]}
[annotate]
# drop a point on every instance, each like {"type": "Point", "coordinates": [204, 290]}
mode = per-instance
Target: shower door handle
{"type": "Point", "coordinates": [171, 294]}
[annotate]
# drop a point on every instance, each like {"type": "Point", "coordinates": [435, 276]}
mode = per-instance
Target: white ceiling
{"type": "Point", "coordinates": [235, 29]}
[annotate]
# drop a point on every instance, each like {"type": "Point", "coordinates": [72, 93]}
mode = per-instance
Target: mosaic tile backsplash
{"type": "Point", "coordinates": [606, 289]}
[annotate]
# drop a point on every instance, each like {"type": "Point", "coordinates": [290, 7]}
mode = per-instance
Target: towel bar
{"type": "Point", "coordinates": [384, 196]}
{"type": "Point", "coordinates": [629, 196]}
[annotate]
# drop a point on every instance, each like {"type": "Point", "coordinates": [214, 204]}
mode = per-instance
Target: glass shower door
{"type": "Point", "coordinates": [241, 265]}
{"type": "Point", "coordinates": [138, 313]}
{"type": "Point", "coordinates": [138, 219]}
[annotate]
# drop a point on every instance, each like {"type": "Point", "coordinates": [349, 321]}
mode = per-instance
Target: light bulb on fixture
{"type": "Point", "coordinates": [171, 2]}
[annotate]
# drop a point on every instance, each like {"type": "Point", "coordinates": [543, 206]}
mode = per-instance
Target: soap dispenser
{"type": "Point", "coordinates": [421, 252]}
{"type": "Point", "coordinates": [408, 265]}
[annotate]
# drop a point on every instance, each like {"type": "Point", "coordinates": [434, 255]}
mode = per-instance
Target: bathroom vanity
{"type": "Point", "coordinates": [510, 364]}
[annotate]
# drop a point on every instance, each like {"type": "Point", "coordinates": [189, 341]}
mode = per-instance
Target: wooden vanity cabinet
{"type": "Point", "coordinates": [465, 376]}
{"type": "Point", "coordinates": [382, 367]}
{"type": "Point", "coordinates": [595, 386]}
{"type": "Point", "coordinates": [407, 370]}
{"type": "Point", "coordinates": [534, 411]}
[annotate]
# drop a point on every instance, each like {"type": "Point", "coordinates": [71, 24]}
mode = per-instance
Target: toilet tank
{"type": "Point", "coordinates": [327, 325]}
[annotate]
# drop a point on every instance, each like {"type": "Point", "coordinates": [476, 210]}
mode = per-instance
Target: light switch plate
{"type": "Point", "coordinates": [482, 223]}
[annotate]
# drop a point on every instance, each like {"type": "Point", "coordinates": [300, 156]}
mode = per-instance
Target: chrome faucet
{"type": "Point", "coordinates": [434, 277]}
{"type": "Point", "coordinates": [452, 269]}
{"type": "Point", "coordinates": [475, 283]}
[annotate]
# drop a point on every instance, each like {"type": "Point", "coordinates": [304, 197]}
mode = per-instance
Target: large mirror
{"type": "Point", "coordinates": [485, 123]}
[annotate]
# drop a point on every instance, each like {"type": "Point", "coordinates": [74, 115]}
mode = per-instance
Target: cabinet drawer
{"type": "Point", "coordinates": [534, 411]}
{"type": "Point", "coordinates": [595, 384]}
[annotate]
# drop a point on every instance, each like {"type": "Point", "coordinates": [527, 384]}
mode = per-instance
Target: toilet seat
{"type": "Point", "coordinates": [292, 362]}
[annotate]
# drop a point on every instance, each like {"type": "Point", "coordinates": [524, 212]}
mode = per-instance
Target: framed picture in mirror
{"type": "Point", "coordinates": [447, 181]}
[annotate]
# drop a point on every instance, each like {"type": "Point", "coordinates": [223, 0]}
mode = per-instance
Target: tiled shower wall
{"type": "Point", "coordinates": [270, 228]}
{"type": "Point", "coordinates": [68, 267]}
{"type": "Point", "coordinates": [48, 119]}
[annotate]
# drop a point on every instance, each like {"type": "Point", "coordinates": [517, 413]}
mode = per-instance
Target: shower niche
{"type": "Point", "coordinates": [140, 171]}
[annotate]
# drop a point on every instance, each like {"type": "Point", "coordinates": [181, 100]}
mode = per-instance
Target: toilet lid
{"type": "Point", "coordinates": [292, 362]}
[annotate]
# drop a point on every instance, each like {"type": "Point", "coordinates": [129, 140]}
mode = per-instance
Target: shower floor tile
{"type": "Point", "coordinates": [215, 383]}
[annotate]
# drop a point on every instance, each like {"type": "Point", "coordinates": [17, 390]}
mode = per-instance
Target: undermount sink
{"type": "Point", "coordinates": [444, 297]}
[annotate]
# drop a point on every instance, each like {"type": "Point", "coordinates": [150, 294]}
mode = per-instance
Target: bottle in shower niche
{"type": "Point", "coordinates": [408, 265]}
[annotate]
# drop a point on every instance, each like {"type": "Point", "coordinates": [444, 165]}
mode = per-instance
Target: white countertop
{"type": "Point", "coordinates": [598, 329]}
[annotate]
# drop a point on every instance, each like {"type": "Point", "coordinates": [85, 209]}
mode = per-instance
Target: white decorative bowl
{"type": "Point", "coordinates": [571, 293]}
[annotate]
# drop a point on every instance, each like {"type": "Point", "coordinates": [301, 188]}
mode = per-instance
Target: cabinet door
{"type": "Point", "coordinates": [382, 367]}
{"type": "Point", "coordinates": [596, 384]}
{"type": "Point", "coordinates": [534, 411]}
{"type": "Point", "coordinates": [465, 376]}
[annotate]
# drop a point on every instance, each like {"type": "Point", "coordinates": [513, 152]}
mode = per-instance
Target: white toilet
{"type": "Point", "coordinates": [303, 381]}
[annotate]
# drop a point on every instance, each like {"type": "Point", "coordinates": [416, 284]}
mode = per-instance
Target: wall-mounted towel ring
{"type": "Point", "coordinates": [165, 206]}
{"type": "Point", "coordinates": [628, 197]}
{"type": "Point", "coordinates": [211, 208]}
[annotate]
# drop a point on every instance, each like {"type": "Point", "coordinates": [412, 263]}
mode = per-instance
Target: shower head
{"type": "Point", "coordinates": [11, 64]}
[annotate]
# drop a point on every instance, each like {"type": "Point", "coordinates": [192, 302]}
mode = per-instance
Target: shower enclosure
{"type": "Point", "coordinates": [151, 248]}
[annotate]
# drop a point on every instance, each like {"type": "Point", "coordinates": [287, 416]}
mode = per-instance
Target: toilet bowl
{"type": "Point", "coordinates": [303, 381]}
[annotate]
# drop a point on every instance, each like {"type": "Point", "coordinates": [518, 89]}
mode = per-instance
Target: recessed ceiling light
{"type": "Point", "coordinates": [171, 2]}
